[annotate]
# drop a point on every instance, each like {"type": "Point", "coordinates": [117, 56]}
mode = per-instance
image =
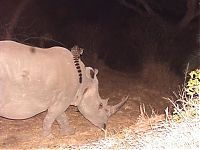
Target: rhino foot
{"type": "Point", "coordinates": [47, 135]}
{"type": "Point", "coordinates": [65, 128]}
{"type": "Point", "coordinates": [67, 131]}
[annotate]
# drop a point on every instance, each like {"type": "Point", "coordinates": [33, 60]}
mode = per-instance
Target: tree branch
{"type": "Point", "coordinates": [15, 17]}
{"type": "Point", "coordinates": [133, 7]}
{"type": "Point", "coordinates": [191, 13]}
{"type": "Point", "coordinates": [146, 7]}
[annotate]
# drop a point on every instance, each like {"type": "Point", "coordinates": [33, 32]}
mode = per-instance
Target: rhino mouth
{"type": "Point", "coordinates": [101, 126]}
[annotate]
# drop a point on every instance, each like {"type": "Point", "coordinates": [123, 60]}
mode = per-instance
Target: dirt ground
{"type": "Point", "coordinates": [26, 134]}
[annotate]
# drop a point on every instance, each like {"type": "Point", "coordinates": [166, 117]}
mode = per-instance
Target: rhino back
{"type": "Point", "coordinates": [31, 79]}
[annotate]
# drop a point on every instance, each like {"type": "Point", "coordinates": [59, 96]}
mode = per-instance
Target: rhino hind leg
{"type": "Point", "coordinates": [63, 122]}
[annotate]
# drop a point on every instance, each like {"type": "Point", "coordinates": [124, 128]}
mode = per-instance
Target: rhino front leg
{"type": "Point", "coordinates": [52, 114]}
{"type": "Point", "coordinates": [47, 123]}
{"type": "Point", "coordinates": [63, 122]}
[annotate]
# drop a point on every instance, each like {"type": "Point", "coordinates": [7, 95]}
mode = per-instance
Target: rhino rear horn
{"type": "Point", "coordinates": [115, 108]}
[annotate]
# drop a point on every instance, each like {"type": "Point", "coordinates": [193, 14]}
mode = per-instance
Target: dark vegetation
{"type": "Point", "coordinates": [154, 40]}
{"type": "Point", "coordinates": [124, 34]}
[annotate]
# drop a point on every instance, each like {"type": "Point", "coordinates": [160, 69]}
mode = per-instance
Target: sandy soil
{"type": "Point", "coordinates": [26, 134]}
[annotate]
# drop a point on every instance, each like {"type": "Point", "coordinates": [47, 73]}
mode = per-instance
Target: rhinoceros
{"type": "Point", "coordinates": [34, 80]}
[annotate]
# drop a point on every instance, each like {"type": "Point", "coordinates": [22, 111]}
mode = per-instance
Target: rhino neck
{"type": "Point", "coordinates": [78, 95]}
{"type": "Point", "coordinates": [82, 84]}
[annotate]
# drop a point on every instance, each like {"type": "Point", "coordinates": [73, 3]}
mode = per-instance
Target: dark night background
{"type": "Point", "coordinates": [124, 38]}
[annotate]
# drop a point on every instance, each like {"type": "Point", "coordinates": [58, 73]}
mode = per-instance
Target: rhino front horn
{"type": "Point", "coordinates": [115, 108]}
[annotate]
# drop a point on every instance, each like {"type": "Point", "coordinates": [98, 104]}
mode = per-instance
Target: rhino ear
{"type": "Point", "coordinates": [96, 71]}
{"type": "Point", "coordinates": [90, 72]}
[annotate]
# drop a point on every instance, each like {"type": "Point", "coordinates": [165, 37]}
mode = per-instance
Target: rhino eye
{"type": "Point", "coordinates": [100, 106]}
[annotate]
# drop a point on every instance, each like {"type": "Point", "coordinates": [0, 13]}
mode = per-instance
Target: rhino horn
{"type": "Point", "coordinates": [115, 108]}
{"type": "Point", "coordinates": [106, 101]}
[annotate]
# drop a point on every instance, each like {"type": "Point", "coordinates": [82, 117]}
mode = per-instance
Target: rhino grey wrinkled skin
{"type": "Point", "coordinates": [33, 80]}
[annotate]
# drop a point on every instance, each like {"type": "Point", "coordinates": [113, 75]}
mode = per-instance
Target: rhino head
{"type": "Point", "coordinates": [93, 107]}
